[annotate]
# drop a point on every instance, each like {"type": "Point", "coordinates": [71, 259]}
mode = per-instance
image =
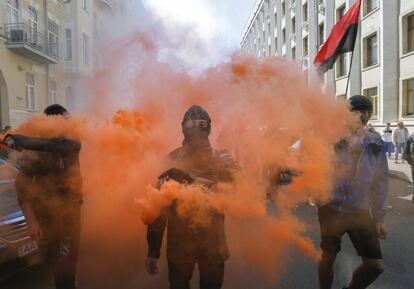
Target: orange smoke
{"type": "Point", "coordinates": [258, 110]}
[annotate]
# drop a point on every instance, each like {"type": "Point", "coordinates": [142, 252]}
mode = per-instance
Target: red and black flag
{"type": "Point", "coordinates": [341, 40]}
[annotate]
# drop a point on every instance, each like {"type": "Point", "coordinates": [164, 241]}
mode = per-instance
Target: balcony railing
{"type": "Point", "coordinates": [109, 3]}
{"type": "Point", "coordinates": [28, 42]}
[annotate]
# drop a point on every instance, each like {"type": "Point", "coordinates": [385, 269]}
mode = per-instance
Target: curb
{"type": "Point", "coordinates": [399, 175]}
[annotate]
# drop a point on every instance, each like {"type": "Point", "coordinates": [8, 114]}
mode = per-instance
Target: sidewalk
{"type": "Point", "coordinates": [401, 171]}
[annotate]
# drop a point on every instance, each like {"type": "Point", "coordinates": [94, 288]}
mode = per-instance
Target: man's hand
{"type": "Point", "coordinates": [9, 141]}
{"type": "Point", "coordinates": [34, 230]}
{"type": "Point", "coordinates": [176, 175]}
{"type": "Point", "coordinates": [381, 231]}
{"type": "Point", "coordinates": [152, 265]}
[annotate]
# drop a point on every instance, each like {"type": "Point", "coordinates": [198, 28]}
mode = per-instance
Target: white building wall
{"type": "Point", "coordinates": [406, 64]}
{"type": "Point", "coordinates": [386, 21]}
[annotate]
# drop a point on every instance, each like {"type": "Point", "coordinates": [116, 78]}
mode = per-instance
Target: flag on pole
{"type": "Point", "coordinates": [341, 40]}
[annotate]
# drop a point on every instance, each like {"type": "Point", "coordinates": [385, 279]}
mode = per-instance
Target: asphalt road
{"type": "Point", "coordinates": [398, 249]}
{"type": "Point", "coordinates": [301, 273]}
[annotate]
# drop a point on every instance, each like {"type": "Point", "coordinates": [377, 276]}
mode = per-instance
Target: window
{"type": "Point", "coordinates": [283, 9]}
{"type": "Point", "coordinates": [85, 4]}
{"type": "Point", "coordinates": [408, 97]}
{"type": "Point", "coordinates": [276, 44]}
{"type": "Point", "coordinates": [372, 93]}
{"type": "Point", "coordinates": [321, 34]}
{"type": "Point", "coordinates": [305, 46]}
{"type": "Point", "coordinates": [85, 46]}
{"type": "Point", "coordinates": [305, 12]}
{"type": "Point", "coordinates": [341, 97]}
{"type": "Point", "coordinates": [53, 91]}
{"type": "Point", "coordinates": [341, 66]}
{"type": "Point", "coordinates": [264, 37]}
{"type": "Point", "coordinates": [340, 12]}
{"type": "Point", "coordinates": [370, 50]}
{"type": "Point", "coordinates": [69, 97]}
{"type": "Point", "coordinates": [294, 52]}
{"type": "Point", "coordinates": [53, 32]}
{"type": "Point", "coordinates": [13, 9]}
{"type": "Point", "coordinates": [341, 69]}
{"type": "Point", "coordinates": [293, 24]}
{"type": "Point", "coordinates": [68, 32]}
{"type": "Point", "coordinates": [284, 35]}
{"type": "Point", "coordinates": [370, 5]}
{"type": "Point", "coordinates": [30, 92]}
{"type": "Point", "coordinates": [408, 33]}
{"type": "Point", "coordinates": [33, 25]}
{"type": "Point", "coordinates": [95, 24]}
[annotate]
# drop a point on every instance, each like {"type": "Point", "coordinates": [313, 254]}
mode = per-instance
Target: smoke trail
{"type": "Point", "coordinates": [258, 110]}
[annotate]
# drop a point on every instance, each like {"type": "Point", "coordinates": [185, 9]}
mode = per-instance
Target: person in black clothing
{"type": "Point", "coordinates": [187, 244]}
{"type": "Point", "coordinates": [49, 189]}
{"type": "Point", "coordinates": [408, 155]}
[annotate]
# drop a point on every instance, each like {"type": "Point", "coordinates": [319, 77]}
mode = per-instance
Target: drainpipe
{"type": "Point", "coordinates": [47, 45]}
{"type": "Point", "coordinates": [398, 65]}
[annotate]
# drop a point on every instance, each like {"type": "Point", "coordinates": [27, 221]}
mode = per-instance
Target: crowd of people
{"type": "Point", "coordinates": [357, 207]}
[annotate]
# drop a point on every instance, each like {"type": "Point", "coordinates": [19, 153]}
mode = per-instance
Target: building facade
{"type": "Point", "coordinates": [29, 57]}
{"type": "Point", "coordinates": [49, 50]}
{"type": "Point", "coordinates": [383, 60]}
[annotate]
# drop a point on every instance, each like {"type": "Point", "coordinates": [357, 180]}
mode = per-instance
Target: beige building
{"type": "Point", "coordinates": [29, 57]}
{"type": "Point", "coordinates": [49, 49]}
{"type": "Point", "coordinates": [383, 63]}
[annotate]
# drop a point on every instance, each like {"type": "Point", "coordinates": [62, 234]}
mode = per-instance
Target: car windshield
{"type": "Point", "coordinates": [8, 200]}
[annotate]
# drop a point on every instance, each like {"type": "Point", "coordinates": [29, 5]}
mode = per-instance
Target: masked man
{"type": "Point", "coordinates": [358, 201]}
{"type": "Point", "coordinates": [194, 162]}
{"type": "Point", "coordinates": [49, 189]}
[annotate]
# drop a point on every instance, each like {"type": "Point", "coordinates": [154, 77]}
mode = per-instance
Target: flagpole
{"type": "Point", "coordinates": [352, 58]}
{"type": "Point", "coordinates": [349, 73]}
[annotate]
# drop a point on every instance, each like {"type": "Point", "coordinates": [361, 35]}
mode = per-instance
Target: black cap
{"type": "Point", "coordinates": [360, 103]}
{"type": "Point", "coordinates": [55, 109]}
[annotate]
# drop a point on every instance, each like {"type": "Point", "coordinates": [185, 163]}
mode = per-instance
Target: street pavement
{"type": "Point", "coordinates": [300, 273]}
{"type": "Point", "coordinates": [400, 170]}
{"type": "Point", "coordinates": [398, 250]}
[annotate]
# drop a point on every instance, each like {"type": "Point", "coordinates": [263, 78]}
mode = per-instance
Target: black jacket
{"type": "Point", "coordinates": [49, 174]}
{"type": "Point", "coordinates": [408, 153]}
{"type": "Point", "coordinates": [186, 243]}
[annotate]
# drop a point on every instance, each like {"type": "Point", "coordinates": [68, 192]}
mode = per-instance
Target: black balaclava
{"type": "Point", "coordinates": [56, 109]}
{"type": "Point", "coordinates": [196, 137]}
{"type": "Point", "coordinates": [361, 103]}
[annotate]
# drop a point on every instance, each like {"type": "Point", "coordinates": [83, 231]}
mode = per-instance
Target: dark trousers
{"type": "Point", "coordinates": [211, 275]}
{"type": "Point", "coordinates": [61, 246]}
